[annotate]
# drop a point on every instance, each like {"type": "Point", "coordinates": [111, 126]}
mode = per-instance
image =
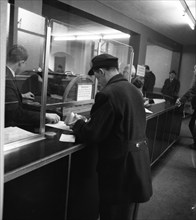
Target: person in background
{"type": "Point", "coordinates": [190, 95]}
{"type": "Point", "coordinates": [171, 87]}
{"type": "Point", "coordinates": [15, 114]}
{"type": "Point", "coordinates": [129, 72]}
{"type": "Point", "coordinates": [138, 82]}
{"type": "Point", "coordinates": [117, 126]}
{"type": "Point", "coordinates": [149, 81]}
{"type": "Point", "coordinates": [59, 69]}
{"type": "Point", "coordinates": [193, 119]}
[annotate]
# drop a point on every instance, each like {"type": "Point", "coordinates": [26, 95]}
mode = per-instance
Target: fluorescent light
{"type": "Point", "coordinates": [188, 15]}
{"type": "Point", "coordinates": [64, 38]}
{"type": "Point", "coordinates": [189, 21]}
{"type": "Point", "coordinates": [91, 37]}
{"type": "Point", "coordinates": [88, 37]}
{"type": "Point", "coordinates": [116, 36]}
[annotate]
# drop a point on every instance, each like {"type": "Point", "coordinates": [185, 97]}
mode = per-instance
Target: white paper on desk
{"type": "Point", "coordinates": [60, 125]}
{"type": "Point", "coordinates": [148, 111]}
{"type": "Point", "coordinates": [67, 138]}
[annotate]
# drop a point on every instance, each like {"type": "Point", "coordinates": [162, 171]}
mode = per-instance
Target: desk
{"type": "Point", "coordinates": [49, 179]}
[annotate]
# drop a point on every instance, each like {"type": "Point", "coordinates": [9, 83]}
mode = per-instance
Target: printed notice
{"type": "Point", "coordinates": [140, 70]}
{"type": "Point", "coordinates": [84, 92]}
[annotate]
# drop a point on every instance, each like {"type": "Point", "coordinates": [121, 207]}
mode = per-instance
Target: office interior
{"type": "Point", "coordinates": [67, 34]}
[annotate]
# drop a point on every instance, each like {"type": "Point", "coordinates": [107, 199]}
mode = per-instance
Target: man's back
{"type": "Point", "coordinates": [129, 119]}
{"type": "Point", "coordinates": [149, 82]}
{"type": "Point", "coordinates": [117, 126]}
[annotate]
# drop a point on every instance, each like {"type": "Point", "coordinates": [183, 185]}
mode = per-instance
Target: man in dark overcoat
{"type": "Point", "coordinates": [117, 126]}
{"type": "Point", "coordinates": [171, 87]}
{"type": "Point", "coordinates": [149, 81]}
{"type": "Point", "coordinates": [182, 100]}
{"type": "Point", "coordinates": [15, 113]}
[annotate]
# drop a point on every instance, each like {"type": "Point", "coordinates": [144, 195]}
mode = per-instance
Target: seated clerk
{"type": "Point", "coordinates": [15, 114]}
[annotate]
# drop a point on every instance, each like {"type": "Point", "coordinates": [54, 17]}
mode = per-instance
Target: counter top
{"type": "Point", "coordinates": [29, 157]}
{"type": "Point", "coordinates": [159, 108]}
{"type": "Point", "coordinates": [37, 154]}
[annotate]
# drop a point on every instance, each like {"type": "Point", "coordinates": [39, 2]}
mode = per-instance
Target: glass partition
{"type": "Point", "coordinates": [23, 78]}
{"type": "Point", "coordinates": [71, 50]}
{"type": "Point", "coordinates": [59, 56]}
{"type": "Point", "coordinates": [121, 50]}
{"type": "Point", "coordinates": [69, 64]}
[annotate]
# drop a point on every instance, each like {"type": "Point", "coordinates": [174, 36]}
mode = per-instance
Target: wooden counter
{"type": "Point", "coordinates": [49, 179]}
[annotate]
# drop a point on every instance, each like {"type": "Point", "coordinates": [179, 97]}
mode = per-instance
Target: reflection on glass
{"type": "Point", "coordinates": [23, 81]}
{"type": "Point", "coordinates": [69, 63]}
{"type": "Point", "coordinates": [118, 49]}
{"type": "Point", "coordinates": [71, 51]}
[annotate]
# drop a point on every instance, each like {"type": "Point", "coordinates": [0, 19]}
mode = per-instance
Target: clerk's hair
{"type": "Point", "coordinates": [16, 54]}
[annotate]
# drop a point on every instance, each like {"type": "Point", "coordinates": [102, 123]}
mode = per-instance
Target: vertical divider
{"type": "Point", "coordinates": [3, 40]}
{"type": "Point", "coordinates": [68, 182]}
{"type": "Point", "coordinates": [45, 78]}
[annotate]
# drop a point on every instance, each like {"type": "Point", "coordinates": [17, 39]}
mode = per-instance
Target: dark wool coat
{"type": "Point", "coordinates": [149, 82]}
{"type": "Point", "coordinates": [15, 114]}
{"type": "Point", "coordinates": [171, 88]}
{"type": "Point", "coordinates": [190, 93]}
{"type": "Point", "coordinates": [117, 127]}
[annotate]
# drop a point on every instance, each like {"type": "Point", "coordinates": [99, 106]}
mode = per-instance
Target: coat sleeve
{"type": "Point", "coordinates": [177, 88]}
{"type": "Point", "coordinates": [189, 94]}
{"type": "Point", "coordinates": [100, 123]}
{"type": "Point", "coordinates": [163, 88]}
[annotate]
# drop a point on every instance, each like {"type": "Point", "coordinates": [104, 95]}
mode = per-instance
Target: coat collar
{"type": "Point", "coordinates": [11, 71]}
{"type": "Point", "coordinates": [116, 78]}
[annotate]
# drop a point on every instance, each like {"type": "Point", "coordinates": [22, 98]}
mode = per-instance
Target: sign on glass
{"type": "Point", "coordinates": [84, 92]}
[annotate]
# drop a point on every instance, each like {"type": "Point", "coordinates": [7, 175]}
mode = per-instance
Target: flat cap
{"type": "Point", "coordinates": [101, 61]}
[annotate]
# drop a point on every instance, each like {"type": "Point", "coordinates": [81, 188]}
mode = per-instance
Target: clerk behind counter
{"type": "Point", "coordinates": [15, 114]}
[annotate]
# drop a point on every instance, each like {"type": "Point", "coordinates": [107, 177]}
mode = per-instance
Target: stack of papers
{"type": "Point", "coordinates": [12, 134]}
{"type": "Point", "coordinates": [60, 125]}
{"type": "Point", "coordinates": [64, 137]}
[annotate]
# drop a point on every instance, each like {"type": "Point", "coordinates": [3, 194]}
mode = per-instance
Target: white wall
{"type": "Point", "coordinates": [186, 71]}
{"type": "Point", "coordinates": [159, 60]}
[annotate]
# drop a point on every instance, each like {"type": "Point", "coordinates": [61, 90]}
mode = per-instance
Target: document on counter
{"type": "Point", "coordinates": [67, 138]}
{"type": "Point", "coordinates": [15, 137]}
{"type": "Point", "coordinates": [60, 125]}
{"type": "Point", "coordinates": [148, 111]}
{"type": "Point", "coordinates": [12, 134]}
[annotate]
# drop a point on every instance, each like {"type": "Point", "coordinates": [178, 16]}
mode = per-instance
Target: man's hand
{"type": "Point", "coordinates": [52, 118]}
{"type": "Point", "coordinates": [178, 102]}
{"type": "Point", "coordinates": [76, 118]}
{"type": "Point", "coordinates": [28, 95]}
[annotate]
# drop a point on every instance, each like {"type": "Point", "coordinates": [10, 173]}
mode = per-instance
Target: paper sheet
{"type": "Point", "coordinates": [148, 111]}
{"type": "Point", "coordinates": [12, 134]}
{"type": "Point", "coordinates": [67, 138]}
{"type": "Point", "coordinates": [60, 125]}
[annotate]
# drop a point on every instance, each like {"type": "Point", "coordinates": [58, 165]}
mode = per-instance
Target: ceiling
{"type": "Point", "coordinates": [162, 16]}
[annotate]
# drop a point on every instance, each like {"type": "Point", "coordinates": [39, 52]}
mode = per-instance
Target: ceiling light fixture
{"type": "Point", "coordinates": [188, 15]}
{"type": "Point", "coordinates": [91, 37]}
